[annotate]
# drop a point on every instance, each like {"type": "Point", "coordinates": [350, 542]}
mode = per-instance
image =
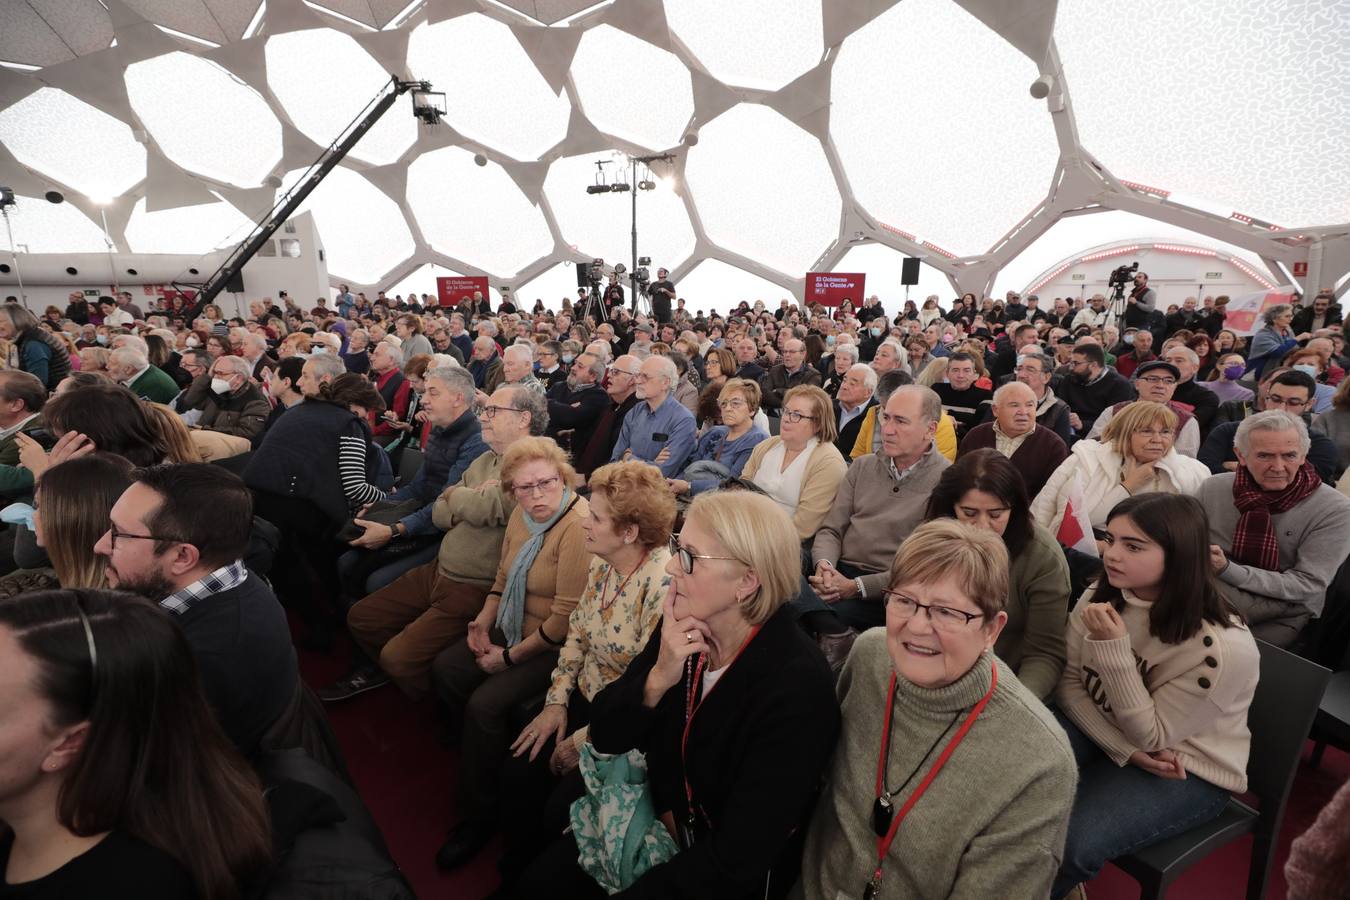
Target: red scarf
{"type": "Point", "coordinates": [1254, 541]}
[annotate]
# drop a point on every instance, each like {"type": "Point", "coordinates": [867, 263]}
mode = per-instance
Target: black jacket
{"type": "Point", "coordinates": [1303, 319]}
{"type": "Point", "coordinates": [298, 456]}
{"type": "Point", "coordinates": [576, 411]}
{"type": "Point", "coordinates": [758, 748]}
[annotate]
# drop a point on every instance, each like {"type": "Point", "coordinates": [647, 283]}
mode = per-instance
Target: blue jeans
{"type": "Point", "coordinates": [1120, 809]}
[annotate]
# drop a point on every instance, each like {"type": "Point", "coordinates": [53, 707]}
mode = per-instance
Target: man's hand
{"type": "Point", "coordinates": [375, 535]}
{"type": "Point", "coordinates": [1218, 560]}
{"type": "Point", "coordinates": [677, 485]}
{"type": "Point", "coordinates": [830, 585]}
{"type": "Point", "coordinates": [1074, 422]}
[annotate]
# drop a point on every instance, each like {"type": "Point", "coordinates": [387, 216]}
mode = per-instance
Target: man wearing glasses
{"type": "Point", "coordinates": [621, 387]}
{"type": "Point", "coordinates": [575, 404]}
{"type": "Point", "coordinates": [1283, 389]}
{"type": "Point", "coordinates": [1036, 370]}
{"type": "Point", "coordinates": [789, 373]}
{"type": "Point", "coordinates": [659, 425]}
{"type": "Point", "coordinates": [1156, 381]}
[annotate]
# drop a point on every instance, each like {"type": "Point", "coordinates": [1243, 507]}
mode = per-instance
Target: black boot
{"type": "Point", "coordinates": [464, 843]}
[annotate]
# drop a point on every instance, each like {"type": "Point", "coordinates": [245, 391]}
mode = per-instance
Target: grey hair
{"type": "Point", "coordinates": [458, 380]}
{"type": "Point", "coordinates": [930, 403]}
{"type": "Point", "coordinates": [848, 349]}
{"type": "Point", "coordinates": [668, 369]}
{"type": "Point", "coordinates": [1279, 309]}
{"type": "Point", "coordinates": [491, 326]}
{"type": "Point", "coordinates": [529, 398]}
{"type": "Point", "coordinates": [484, 341]}
{"type": "Point", "coordinates": [129, 355]}
{"type": "Point", "coordinates": [1003, 390]}
{"type": "Point", "coordinates": [521, 349]}
{"type": "Point", "coordinates": [1271, 420]}
{"type": "Point", "coordinates": [132, 342]}
{"type": "Point", "coordinates": [869, 374]}
{"type": "Point", "coordinates": [237, 364]}
{"type": "Point", "coordinates": [395, 353]}
{"type": "Point", "coordinates": [1191, 356]}
{"type": "Point", "coordinates": [900, 352]}
{"type": "Point", "coordinates": [327, 364]}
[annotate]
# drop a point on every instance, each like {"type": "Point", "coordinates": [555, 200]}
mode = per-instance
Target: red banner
{"type": "Point", "coordinates": [453, 289]}
{"type": "Point", "coordinates": [833, 288]}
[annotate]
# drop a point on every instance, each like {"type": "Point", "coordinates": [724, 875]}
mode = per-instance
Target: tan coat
{"type": "Point", "coordinates": [824, 470]}
{"type": "Point", "coordinates": [559, 573]}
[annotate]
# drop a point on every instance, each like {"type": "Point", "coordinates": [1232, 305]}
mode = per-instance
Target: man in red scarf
{"type": "Point", "coordinates": [1277, 533]}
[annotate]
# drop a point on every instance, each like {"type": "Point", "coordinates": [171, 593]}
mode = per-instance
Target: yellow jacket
{"type": "Point", "coordinates": [945, 439]}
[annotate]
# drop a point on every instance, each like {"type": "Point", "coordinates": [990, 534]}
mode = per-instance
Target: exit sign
{"type": "Point", "coordinates": [1213, 276]}
{"type": "Point", "coordinates": [1079, 277]}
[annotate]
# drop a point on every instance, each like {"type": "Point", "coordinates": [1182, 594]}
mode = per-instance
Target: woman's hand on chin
{"type": "Point", "coordinates": [681, 638]}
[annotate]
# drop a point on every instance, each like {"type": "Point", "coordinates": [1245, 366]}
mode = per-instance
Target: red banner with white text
{"type": "Point", "coordinates": [454, 288]}
{"type": "Point", "coordinates": [833, 288]}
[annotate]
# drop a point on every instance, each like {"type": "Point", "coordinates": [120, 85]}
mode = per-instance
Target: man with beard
{"type": "Point", "coordinates": [161, 546]}
{"type": "Point", "coordinates": [575, 405]}
{"type": "Point", "coordinates": [1091, 387]}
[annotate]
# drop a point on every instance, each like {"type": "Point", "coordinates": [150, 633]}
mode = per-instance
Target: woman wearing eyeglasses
{"type": "Point", "coordinates": [950, 778]}
{"type": "Point", "coordinates": [513, 643]}
{"type": "Point", "coordinates": [723, 450]}
{"type": "Point", "coordinates": [628, 530]}
{"type": "Point", "coordinates": [1135, 456]}
{"type": "Point", "coordinates": [104, 793]}
{"type": "Point", "coordinates": [733, 707]}
{"type": "Point", "coordinates": [800, 468]}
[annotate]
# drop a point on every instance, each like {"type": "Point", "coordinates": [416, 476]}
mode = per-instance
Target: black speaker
{"type": "Point", "coordinates": [909, 271]}
{"type": "Point", "coordinates": [236, 283]}
{"type": "Point", "coordinates": [583, 275]}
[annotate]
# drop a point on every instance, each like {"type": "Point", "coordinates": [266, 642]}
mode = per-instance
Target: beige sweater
{"type": "Point", "coordinates": [1138, 693]}
{"type": "Point", "coordinates": [992, 823]}
{"type": "Point", "coordinates": [824, 470]}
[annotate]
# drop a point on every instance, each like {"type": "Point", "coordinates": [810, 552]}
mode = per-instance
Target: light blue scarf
{"type": "Point", "coordinates": [511, 611]}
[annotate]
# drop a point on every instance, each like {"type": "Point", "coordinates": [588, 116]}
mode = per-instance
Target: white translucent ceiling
{"type": "Point", "coordinates": [1074, 235]}
{"type": "Point", "coordinates": [322, 100]}
{"type": "Point", "coordinates": [882, 265]}
{"type": "Point", "coordinates": [947, 145]}
{"type": "Point", "coordinates": [713, 284]}
{"type": "Point", "coordinates": [67, 139]}
{"type": "Point", "coordinates": [363, 231]}
{"type": "Point", "coordinates": [205, 119]}
{"type": "Point", "coordinates": [653, 101]}
{"type": "Point", "coordinates": [475, 213]}
{"type": "Point", "coordinates": [1246, 102]}
{"type": "Point", "coordinates": [186, 229]}
{"type": "Point", "coordinates": [493, 92]}
{"type": "Point", "coordinates": [422, 280]}
{"type": "Point", "coordinates": [760, 44]}
{"type": "Point", "coordinates": [551, 286]}
{"type": "Point", "coordinates": [42, 227]}
{"type": "Point", "coordinates": [779, 205]}
{"type": "Point", "coordinates": [601, 224]}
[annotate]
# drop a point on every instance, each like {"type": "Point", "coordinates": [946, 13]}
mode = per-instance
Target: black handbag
{"type": "Point", "coordinates": [386, 512]}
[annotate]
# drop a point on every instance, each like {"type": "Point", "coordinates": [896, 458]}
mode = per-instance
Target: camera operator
{"type": "Point", "coordinates": [613, 297]}
{"type": "Point", "coordinates": [1140, 304]}
{"type": "Point", "coordinates": [662, 293]}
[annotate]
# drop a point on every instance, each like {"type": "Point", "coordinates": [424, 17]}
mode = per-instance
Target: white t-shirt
{"type": "Point", "coordinates": [784, 486]}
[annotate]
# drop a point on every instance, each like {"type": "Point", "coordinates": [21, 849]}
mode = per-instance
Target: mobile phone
{"type": "Point", "coordinates": [661, 437]}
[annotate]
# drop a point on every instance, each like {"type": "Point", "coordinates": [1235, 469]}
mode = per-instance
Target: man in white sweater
{"type": "Point", "coordinates": [1277, 533]}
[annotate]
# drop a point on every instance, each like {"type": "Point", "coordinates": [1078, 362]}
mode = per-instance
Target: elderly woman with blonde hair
{"type": "Point", "coordinates": [1135, 455]}
{"type": "Point", "coordinates": [732, 705]}
{"type": "Point", "coordinates": [926, 694]}
{"type": "Point", "coordinates": [512, 645]}
{"type": "Point", "coordinates": [628, 531]}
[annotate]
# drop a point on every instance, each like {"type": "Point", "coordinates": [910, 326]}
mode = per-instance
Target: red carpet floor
{"type": "Point", "coordinates": [408, 778]}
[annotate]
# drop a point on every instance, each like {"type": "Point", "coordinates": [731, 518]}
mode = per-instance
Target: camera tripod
{"type": "Point", "coordinates": [594, 304]}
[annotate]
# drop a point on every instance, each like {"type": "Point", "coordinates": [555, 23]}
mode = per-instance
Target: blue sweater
{"type": "Point", "coordinates": [732, 454]}
{"type": "Point", "coordinates": [448, 453]}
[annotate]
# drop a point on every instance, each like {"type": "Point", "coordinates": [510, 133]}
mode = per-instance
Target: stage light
{"type": "Point", "coordinates": [1040, 88]}
{"type": "Point", "coordinates": [620, 186]}
{"type": "Point", "coordinates": [646, 185]}
{"type": "Point", "coordinates": [597, 189]}
{"type": "Point", "coordinates": [479, 160]}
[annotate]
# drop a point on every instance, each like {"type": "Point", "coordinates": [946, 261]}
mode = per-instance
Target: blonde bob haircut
{"type": "Point", "coordinates": [822, 408]}
{"type": "Point", "coordinates": [535, 449]}
{"type": "Point", "coordinates": [1134, 416]}
{"type": "Point", "coordinates": [755, 531]}
{"type": "Point", "coordinates": [637, 494]}
{"type": "Point", "coordinates": [974, 558]}
{"type": "Point", "coordinates": [748, 390]}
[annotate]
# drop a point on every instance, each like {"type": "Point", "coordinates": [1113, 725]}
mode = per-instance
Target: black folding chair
{"type": "Point", "coordinates": [1281, 714]}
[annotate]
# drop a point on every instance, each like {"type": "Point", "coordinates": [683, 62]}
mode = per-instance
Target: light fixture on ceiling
{"type": "Point", "coordinates": [55, 197]}
{"type": "Point", "coordinates": [690, 139]}
{"type": "Point", "coordinates": [1040, 88]}
{"type": "Point", "coordinates": [601, 185]}
{"type": "Point", "coordinates": [479, 160]}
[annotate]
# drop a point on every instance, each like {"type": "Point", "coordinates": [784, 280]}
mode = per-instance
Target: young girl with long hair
{"type": "Point", "coordinates": [1161, 670]}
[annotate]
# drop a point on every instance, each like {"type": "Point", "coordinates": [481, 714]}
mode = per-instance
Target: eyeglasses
{"type": "Point", "coordinates": [115, 535]}
{"type": "Point", "coordinates": [615, 370]}
{"type": "Point", "coordinates": [1156, 379]}
{"type": "Point", "coordinates": [687, 556]}
{"type": "Point", "coordinates": [1156, 432]}
{"type": "Point", "coordinates": [731, 404]}
{"type": "Point", "coordinates": [1287, 402]}
{"type": "Point", "coordinates": [791, 415]}
{"type": "Point", "coordinates": [943, 618]}
{"type": "Point", "coordinates": [539, 488]}
{"type": "Point", "coordinates": [490, 412]}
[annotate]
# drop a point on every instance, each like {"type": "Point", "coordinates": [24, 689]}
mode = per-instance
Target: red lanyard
{"type": "Point", "coordinates": [884, 843]}
{"type": "Point", "coordinates": [605, 587]}
{"type": "Point", "coordinates": [691, 706]}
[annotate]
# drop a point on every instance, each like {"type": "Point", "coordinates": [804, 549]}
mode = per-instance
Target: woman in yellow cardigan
{"type": "Point", "coordinates": [945, 439]}
{"type": "Point", "coordinates": [800, 468]}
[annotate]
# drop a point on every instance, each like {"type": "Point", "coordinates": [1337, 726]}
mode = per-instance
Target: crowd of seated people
{"type": "Point", "coordinates": [658, 552]}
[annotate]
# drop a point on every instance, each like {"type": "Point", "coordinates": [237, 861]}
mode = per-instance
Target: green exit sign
{"type": "Point", "coordinates": [1213, 276]}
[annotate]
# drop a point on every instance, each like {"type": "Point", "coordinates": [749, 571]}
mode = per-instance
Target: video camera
{"type": "Point", "coordinates": [1123, 275]}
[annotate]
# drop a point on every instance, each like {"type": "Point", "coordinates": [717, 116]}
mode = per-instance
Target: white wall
{"type": "Point", "coordinates": [1174, 276]}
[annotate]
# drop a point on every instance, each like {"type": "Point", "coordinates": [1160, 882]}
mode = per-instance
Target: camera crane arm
{"type": "Point", "coordinates": [333, 154]}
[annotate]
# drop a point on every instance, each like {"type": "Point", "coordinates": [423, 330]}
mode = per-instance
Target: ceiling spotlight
{"type": "Point", "coordinates": [479, 160]}
{"type": "Point", "coordinates": [689, 139]}
{"type": "Point", "coordinates": [620, 268]}
{"type": "Point", "coordinates": [55, 197]}
{"type": "Point", "coordinates": [646, 185]}
{"type": "Point", "coordinates": [6, 197]}
{"type": "Point", "coordinates": [597, 189]}
{"type": "Point", "coordinates": [620, 186]}
{"type": "Point", "coordinates": [1040, 88]}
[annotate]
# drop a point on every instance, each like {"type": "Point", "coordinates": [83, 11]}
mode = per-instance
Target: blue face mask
{"type": "Point", "coordinates": [876, 332]}
{"type": "Point", "coordinates": [1309, 369]}
{"type": "Point", "coordinates": [829, 340]}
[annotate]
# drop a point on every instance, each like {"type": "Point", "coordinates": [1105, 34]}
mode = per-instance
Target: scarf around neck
{"type": "Point", "coordinates": [1254, 542]}
{"type": "Point", "coordinates": [511, 610]}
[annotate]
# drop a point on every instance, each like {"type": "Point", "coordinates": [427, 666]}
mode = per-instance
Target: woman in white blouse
{"type": "Point", "coordinates": [628, 531]}
{"type": "Point", "coordinates": [800, 468]}
{"type": "Point", "coordinates": [1135, 456]}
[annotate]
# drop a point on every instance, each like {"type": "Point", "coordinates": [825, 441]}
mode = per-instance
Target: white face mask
{"type": "Point", "coordinates": [220, 385]}
{"type": "Point", "coordinates": [318, 349]}
{"type": "Point", "coordinates": [193, 342]}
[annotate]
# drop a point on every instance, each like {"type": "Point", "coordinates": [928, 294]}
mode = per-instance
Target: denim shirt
{"type": "Point", "coordinates": [672, 419]}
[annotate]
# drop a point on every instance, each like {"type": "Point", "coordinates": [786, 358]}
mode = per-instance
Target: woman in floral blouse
{"type": "Point", "coordinates": [631, 516]}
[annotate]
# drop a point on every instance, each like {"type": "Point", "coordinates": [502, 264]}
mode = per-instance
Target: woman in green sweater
{"type": "Point", "coordinates": [985, 489]}
{"type": "Point", "coordinates": [950, 778]}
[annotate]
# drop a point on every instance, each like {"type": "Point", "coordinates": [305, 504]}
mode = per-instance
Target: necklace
{"type": "Point", "coordinates": [883, 809]}
{"type": "Point", "coordinates": [605, 605]}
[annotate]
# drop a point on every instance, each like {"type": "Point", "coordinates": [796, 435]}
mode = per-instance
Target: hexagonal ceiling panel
{"type": "Point", "coordinates": [1259, 120]}
{"type": "Point", "coordinates": [204, 118]}
{"type": "Point", "coordinates": [779, 205]}
{"type": "Point", "coordinates": [601, 224]}
{"type": "Point", "coordinates": [187, 229]}
{"type": "Point", "coordinates": [705, 287]}
{"type": "Point", "coordinates": [761, 44]}
{"type": "Point", "coordinates": [42, 227]}
{"type": "Point", "coordinates": [475, 213]}
{"type": "Point", "coordinates": [363, 231]}
{"type": "Point", "coordinates": [948, 146]}
{"type": "Point", "coordinates": [323, 100]}
{"type": "Point", "coordinates": [65, 138]}
{"type": "Point", "coordinates": [494, 93]}
{"type": "Point", "coordinates": [650, 105]}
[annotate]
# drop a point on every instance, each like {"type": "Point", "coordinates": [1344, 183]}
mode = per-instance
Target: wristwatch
{"type": "Point", "coordinates": [506, 657]}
